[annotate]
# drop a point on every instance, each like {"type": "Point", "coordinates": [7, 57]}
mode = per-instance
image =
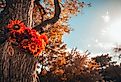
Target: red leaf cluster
{"type": "Point", "coordinates": [27, 38]}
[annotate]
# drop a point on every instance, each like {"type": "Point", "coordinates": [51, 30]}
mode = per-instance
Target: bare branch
{"type": "Point", "coordinates": [52, 20]}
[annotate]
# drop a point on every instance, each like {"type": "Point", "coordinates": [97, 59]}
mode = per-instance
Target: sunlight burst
{"type": "Point", "coordinates": [115, 31]}
{"type": "Point", "coordinates": [106, 17]}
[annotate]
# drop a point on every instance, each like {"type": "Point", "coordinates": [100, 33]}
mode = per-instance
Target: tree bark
{"type": "Point", "coordinates": [15, 65]}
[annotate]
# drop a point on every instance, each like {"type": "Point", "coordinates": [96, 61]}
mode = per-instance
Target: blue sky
{"type": "Point", "coordinates": [96, 28]}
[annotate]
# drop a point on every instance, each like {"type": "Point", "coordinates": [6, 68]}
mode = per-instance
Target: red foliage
{"type": "Point", "coordinates": [16, 26]}
{"type": "Point", "coordinates": [28, 38]}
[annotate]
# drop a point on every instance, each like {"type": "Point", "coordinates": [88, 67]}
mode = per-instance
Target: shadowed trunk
{"type": "Point", "coordinates": [15, 65]}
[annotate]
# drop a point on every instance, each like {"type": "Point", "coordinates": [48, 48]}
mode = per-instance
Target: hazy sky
{"type": "Point", "coordinates": [98, 28]}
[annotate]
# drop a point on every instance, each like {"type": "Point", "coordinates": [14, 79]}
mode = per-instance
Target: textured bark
{"type": "Point", "coordinates": [18, 67]}
{"type": "Point", "coordinates": [15, 65]}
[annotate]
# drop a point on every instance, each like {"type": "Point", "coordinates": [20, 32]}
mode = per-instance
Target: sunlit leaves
{"type": "Point", "coordinates": [68, 8]}
{"type": "Point", "coordinates": [63, 65]}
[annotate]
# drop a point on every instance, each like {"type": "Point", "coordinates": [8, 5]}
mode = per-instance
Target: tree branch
{"type": "Point", "coordinates": [52, 20]}
{"type": "Point", "coordinates": [40, 7]}
{"type": "Point", "coordinates": [37, 2]}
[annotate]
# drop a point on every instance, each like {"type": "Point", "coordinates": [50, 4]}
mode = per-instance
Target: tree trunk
{"type": "Point", "coordinates": [15, 65]}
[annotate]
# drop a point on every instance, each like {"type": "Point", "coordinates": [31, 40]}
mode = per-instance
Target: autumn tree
{"type": "Point", "coordinates": [71, 67]}
{"type": "Point", "coordinates": [24, 27]}
{"type": "Point", "coordinates": [109, 69]}
{"type": "Point", "coordinates": [17, 33]}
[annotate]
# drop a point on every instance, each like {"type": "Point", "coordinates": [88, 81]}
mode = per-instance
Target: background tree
{"type": "Point", "coordinates": [71, 67]}
{"type": "Point", "coordinates": [109, 70]}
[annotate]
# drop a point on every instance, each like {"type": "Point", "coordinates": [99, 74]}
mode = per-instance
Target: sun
{"type": "Point", "coordinates": [115, 31]}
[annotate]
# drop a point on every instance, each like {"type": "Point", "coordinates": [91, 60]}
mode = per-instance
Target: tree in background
{"type": "Point", "coordinates": [71, 67]}
{"type": "Point", "coordinates": [109, 70]}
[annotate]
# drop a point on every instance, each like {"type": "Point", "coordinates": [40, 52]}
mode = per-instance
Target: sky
{"type": "Point", "coordinates": [96, 28]}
